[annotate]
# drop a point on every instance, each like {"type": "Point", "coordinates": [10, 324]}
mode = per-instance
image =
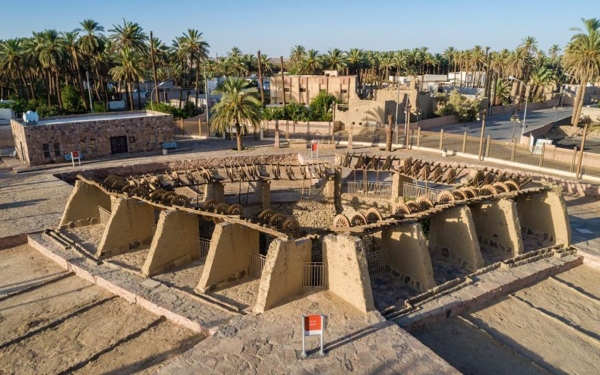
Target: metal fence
{"type": "Point", "coordinates": [376, 188]}
{"type": "Point", "coordinates": [550, 156]}
{"type": "Point", "coordinates": [377, 261]}
{"type": "Point", "coordinates": [257, 263]}
{"type": "Point", "coordinates": [414, 190]}
{"type": "Point", "coordinates": [203, 247]}
{"type": "Point", "coordinates": [296, 194]}
{"type": "Point", "coordinates": [191, 128]}
{"type": "Point", "coordinates": [314, 275]}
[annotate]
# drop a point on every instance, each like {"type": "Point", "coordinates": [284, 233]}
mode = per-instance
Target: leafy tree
{"type": "Point", "coordinates": [460, 106]}
{"type": "Point", "coordinates": [239, 104]}
{"type": "Point", "coordinates": [321, 106]}
{"type": "Point", "coordinates": [72, 101]}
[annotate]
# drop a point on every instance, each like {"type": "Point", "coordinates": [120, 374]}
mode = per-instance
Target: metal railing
{"type": "Point", "coordinates": [377, 261]}
{"type": "Point", "coordinates": [203, 247]}
{"type": "Point", "coordinates": [104, 215]}
{"type": "Point", "coordinates": [377, 188]}
{"type": "Point", "coordinates": [296, 194]}
{"type": "Point", "coordinates": [257, 263]}
{"type": "Point", "coordinates": [414, 191]}
{"type": "Point", "coordinates": [314, 275]}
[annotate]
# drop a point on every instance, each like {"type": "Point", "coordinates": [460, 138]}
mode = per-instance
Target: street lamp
{"type": "Point", "coordinates": [525, 112]}
{"type": "Point", "coordinates": [151, 92]}
{"type": "Point", "coordinates": [515, 119]}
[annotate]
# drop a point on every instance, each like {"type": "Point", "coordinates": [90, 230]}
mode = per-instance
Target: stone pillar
{"type": "Point", "coordinates": [347, 270]}
{"type": "Point", "coordinates": [452, 234]}
{"type": "Point", "coordinates": [350, 134]}
{"type": "Point", "coordinates": [283, 271]}
{"type": "Point", "coordinates": [545, 216]}
{"type": "Point", "coordinates": [398, 181]}
{"type": "Point", "coordinates": [229, 255]}
{"type": "Point", "coordinates": [129, 227]}
{"type": "Point", "coordinates": [409, 257]}
{"type": "Point", "coordinates": [497, 227]}
{"type": "Point", "coordinates": [263, 193]}
{"type": "Point", "coordinates": [214, 191]}
{"type": "Point", "coordinates": [175, 242]}
{"type": "Point", "coordinates": [83, 203]}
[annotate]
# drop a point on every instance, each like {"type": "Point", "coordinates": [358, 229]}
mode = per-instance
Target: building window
{"type": "Point", "coordinates": [287, 89]}
{"type": "Point", "coordinates": [302, 89]}
{"type": "Point", "coordinates": [57, 149]}
{"type": "Point", "coordinates": [46, 148]}
{"type": "Point", "coordinates": [344, 91]}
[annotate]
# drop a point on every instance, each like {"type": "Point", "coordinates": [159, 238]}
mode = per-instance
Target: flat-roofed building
{"type": "Point", "coordinates": [51, 140]}
{"type": "Point", "coordinates": [302, 88]}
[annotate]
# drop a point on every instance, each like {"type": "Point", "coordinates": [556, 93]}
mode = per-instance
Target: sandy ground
{"type": "Point", "coordinates": [553, 326]}
{"type": "Point", "coordinates": [241, 293]}
{"type": "Point", "coordinates": [185, 277]}
{"type": "Point", "coordinates": [73, 325]}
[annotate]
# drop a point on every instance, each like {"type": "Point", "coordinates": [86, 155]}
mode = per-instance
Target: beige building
{"type": "Point", "coordinates": [302, 88]}
{"type": "Point", "coordinates": [51, 140]}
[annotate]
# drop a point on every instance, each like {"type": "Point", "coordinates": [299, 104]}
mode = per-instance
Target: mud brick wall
{"type": "Point", "coordinates": [92, 138]}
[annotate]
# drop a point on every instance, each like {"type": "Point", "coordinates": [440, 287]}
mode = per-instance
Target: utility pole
{"type": "Point", "coordinates": [580, 161]}
{"type": "Point", "coordinates": [397, 103]}
{"type": "Point", "coordinates": [153, 66]}
{"type": "Point", "coordinates": [206, 97]}
{"type": "Point", "coordinates": [282, 79]}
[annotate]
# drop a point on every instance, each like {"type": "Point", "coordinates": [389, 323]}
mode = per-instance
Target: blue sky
{"type": "Point", "coordinates": [274, 28]}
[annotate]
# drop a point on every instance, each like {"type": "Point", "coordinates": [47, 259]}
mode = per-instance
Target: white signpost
{"type": "Point", "coordinates": [314, 148]}
{"type": "Point", "coordinates": [75, 155]}
{"type": "Point", "coordinates": [312, 325]}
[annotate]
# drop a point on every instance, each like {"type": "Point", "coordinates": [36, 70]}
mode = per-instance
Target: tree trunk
{"type": "Point", "coordinates": [153, 66]}
{"type": "Point", "coordinates": [130, 89]}
{"type": "Point", "coordinates": [282, 80]}
{"type": "Point", "coordinates": [80, 82]}
{"type": "Point", "coordinates": [260, 81]}
{"type": "Point", "coordinates": [238, 130]}
{"type": "Point", "coordinates": [197, 77]}
{"type": "Point", "coordinates": [578, 103]}
{"type": "Point", "coordinates": [389, 133]}
{"type": "Point", "coordinates": [58, 94]}
{"type": "Point", "coordinates": [139, 96]}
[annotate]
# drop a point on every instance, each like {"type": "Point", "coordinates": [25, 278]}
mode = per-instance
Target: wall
{"type": "Point", "coordinates": [347, 269]}
{"type": "Point", "coordinates": [6, 137]}
{"type": "Point", "coordinates": [129, 227]}
{"type": "Point", "coordinates": [83, 204]}
{"type": "Point", "coordinates": [545, 217]}
{"type": "Point", "coordinates": [497, 227]}
{"type": "Point", "coordinates": [452, 234]}
{"type": "Point", "coordinates": [409, 256]}
{"type": "Point", "coordinates": [227, 260]}
{"type": "Point", "coordinates": [438, 121]}
{"type": "Point", "coordinates": [282, 273]}
{"type": "Point", "coordinates": [174, 243]}
{"type": "Point", "coordinates": [92, 138]}
{"type": "Point", "coordinates": [320, 128]}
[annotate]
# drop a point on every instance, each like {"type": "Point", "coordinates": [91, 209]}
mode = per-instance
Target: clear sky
{"type": "Point", "coordinates": [275, 26]}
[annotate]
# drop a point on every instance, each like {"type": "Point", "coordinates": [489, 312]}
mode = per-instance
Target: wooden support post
{"type": "Point", "coordinates": [489, 144]}
{"type": "Point", "coordinates": [419, 136]}
{"type": "Point", "coordinates": [199, 128]}
{"type": "Point", "coordinates": [464, 147]}
{"type": "Point", "coordinates": [542, 155]}
{"type": "Point", "coordinates": [572, 168]}
{"type": "Point", "coordinates": [514, 150]}
{"type": "Point", "coordinates": [442, 139]}
{"type": "Point", "coordinates": [481, 137]}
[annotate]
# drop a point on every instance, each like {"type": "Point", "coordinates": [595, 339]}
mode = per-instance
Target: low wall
{"type": "Point", "coordinates": [437, 121]}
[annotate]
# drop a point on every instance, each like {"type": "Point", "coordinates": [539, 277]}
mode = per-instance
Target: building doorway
{"type": "Point", "coordinates": [118, 145]}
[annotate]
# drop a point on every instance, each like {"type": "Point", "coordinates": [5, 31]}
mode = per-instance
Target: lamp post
{"type": "Point", "coordinates": [526, 98]}
{"type": "Point", "coordinates": [515, 119]}
{"type": "Point", "coordinates": [151, 92]}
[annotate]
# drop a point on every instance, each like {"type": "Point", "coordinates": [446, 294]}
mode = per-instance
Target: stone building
{"type": "Point", "coordinates": [302, 88]}
{"type": "Point", "coordinates": [52, 139]}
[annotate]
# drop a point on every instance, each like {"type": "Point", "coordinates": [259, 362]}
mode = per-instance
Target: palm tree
{"type": "Point", "coordinates": [128, 70]}
{"type": "Point", "coordinates": [72, 48]}
{"type": "Point", "coordinates": [335, 59]}
{"type": "Point", "coordinates": [129, 35]}
{"type": "Point", "coordinates": [311, 63]}
{"type": "Point", "coordinates": [296, 54]}
{"type": "Point", "coordinates": [582, 59]}
{"type": "Point", "coordinates": [196, 49]}
{"type": "Point", "coordinates": [92, 41]}
{"type": "Point", "coordinates": [239, 104]}
{"type": "Point", "coordinates": [50, 50]}
{"type": "Point", "coordinates": [11, 60]}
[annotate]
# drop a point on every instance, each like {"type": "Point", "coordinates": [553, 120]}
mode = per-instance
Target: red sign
{"type": "Point", "coordinates": [75, 154]}
{"type": "Point", "coordinates": [314, 147]}
{"type": "Point", "coordinates": [313, 323]}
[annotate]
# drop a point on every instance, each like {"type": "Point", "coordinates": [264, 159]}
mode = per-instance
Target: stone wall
{"type": "Point", "coordinates": [91, 137]}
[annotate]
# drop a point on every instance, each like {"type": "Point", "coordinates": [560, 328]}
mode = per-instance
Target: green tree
{"type": "Point", "coordinates": [128, 70]}
{"type": "Point", "coordinates": [460, 106]}
{"type": "Point", "coordinates": [321, 106]}
{"type": "Point", "coordinates": [239, 104]}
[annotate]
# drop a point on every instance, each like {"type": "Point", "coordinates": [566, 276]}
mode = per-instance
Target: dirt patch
{"type": "Point", "coordinates": [72, 325]}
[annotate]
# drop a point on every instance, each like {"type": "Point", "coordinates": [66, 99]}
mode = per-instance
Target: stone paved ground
{"type": "Point", "coordinates": [271, 344]}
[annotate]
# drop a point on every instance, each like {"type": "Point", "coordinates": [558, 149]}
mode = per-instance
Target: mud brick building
{"type": "Point", "coordinates": [52, 139]}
